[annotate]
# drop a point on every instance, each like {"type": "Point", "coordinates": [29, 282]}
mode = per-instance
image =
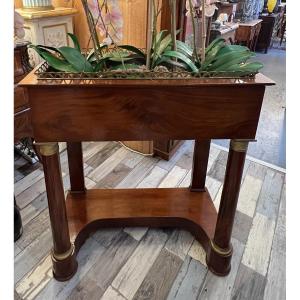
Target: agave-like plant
{"type": "Point", "coordinates": [219, 57]}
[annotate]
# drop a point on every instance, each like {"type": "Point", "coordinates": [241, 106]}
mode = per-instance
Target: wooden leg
{"type": "Point", "coordinates": [200, 161]}
{"type": "Point", "coordinates": [63, 252]}
{"type": "Point", "coordinates": [220, 251]}
{"type": "Point", "coordinates": [75, 160]}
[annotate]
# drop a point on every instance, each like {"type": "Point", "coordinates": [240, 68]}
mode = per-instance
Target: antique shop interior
{"type": "Point", "coordinates": [149, 149]}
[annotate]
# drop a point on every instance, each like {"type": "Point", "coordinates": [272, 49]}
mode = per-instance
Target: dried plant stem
{"type": "Point", "coordinates": [92, 29]}
{"type": "Point", "coordinates": [194, 31]}
{"type": "Point", "coordinates": [203, 33]}
{"type": "Point", "coordinates": [154, 46]}
{"type": "Point", "coordinates": [149, 32]}
{"type": "Point", "coordinates": [173, 23]}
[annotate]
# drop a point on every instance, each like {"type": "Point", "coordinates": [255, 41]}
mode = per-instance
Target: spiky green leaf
{"type": "Point", "coordinates": [75, 41]}
{"type": "Point", "coordinates": [133, 49]}
{"type": "Point", "coordinates": [76, 59]}
{"type": "Point", "coordinates": [53, 61]}
{"type": "Point", "coordinates": [182, 57]}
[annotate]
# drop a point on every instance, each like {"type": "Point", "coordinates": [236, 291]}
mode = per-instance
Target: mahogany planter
{"type": "Point", "coordinates": [118, 109]}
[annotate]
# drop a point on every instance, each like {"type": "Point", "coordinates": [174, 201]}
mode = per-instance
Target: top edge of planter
{"type": "Point", "coordinates": [33, 80]}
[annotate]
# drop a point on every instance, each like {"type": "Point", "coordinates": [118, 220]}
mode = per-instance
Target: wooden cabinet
{"type": "Point", "coordinates": [247, 33]}
{"type": "Point", "coordinates": [166, 148]}
{"type": "Point", "coordinates": [22, 126]}
{"type": "Point", "coordinates": [269, 28]}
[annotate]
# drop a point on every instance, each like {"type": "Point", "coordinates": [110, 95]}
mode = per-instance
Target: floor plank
{"type": "Point", "coordinates": [197, 252]}
{"type": "Point", "coordinates": [34, 229]}
{"type": "Point", "coordinates": [186, 182]}
{"type": "Point", "coordinates": [189, 280]}
{"type": "Point", "coordinates": [153, 178]}
{"type": "Point", "coordinates": [136, 232]}
{"type": "Point", "coordinates": [213, 186]}
{"type": "Point", "coordinates": [30, 256]}
{"type": "Point", "coordinates": [108, 165]}
{"type": "Point", "coordinates": [217, 170]}
{"type": "Point", "coordinates": [110, 261]}
{"type": "Point", "coordinates": [134, 271]}
{"type": "Point", "coordinates": [138, 173]}
{"type": "Point", "coordinates": [276, 278]}
{"type": "Point", "coordinates": [248, 285]}
{"type": "Point", "coordinates": [269, 198]}
{"type": "Point", "coordinates": [100, 156]}
{"type": "Point", "coordinates": [112, 294]}
{"type": "Point", "coordinates": [17, 249]}
{"type": "Point", "coordinates": [160, 277]}
{"type": "Point", "coordinates": [279, 241]}
{"type": "Point", "coordinates": [258, 247]}
{"type": "Point", "coordinates": [114, 177]}
{"type": "Point", "coordinates": [241, 227]}
{"type": "Point", "coordinates": [174, 177]}
{"type": "Point", "coordinates": [249, 194]}
{"type": "Point", "coordinates": [36, 279]}
{"type": "Point", "coordinates": [28, 181]}
{"type": "Point", "coordinates": [179, 243]}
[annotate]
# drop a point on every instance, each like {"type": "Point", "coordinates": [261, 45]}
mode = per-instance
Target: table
{"type": "Point", "coordinates": [120, 109]}
{"type": "Point", "coordinates": [248, 33]}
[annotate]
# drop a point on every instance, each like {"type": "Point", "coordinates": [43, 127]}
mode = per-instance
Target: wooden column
{"type": "Point", "coordinates": [200, 161]}
{"type": "Point", "coordinates": [75, 160]}
{"type": "Point", "coordinates": [220, 252]}
{"type": "Point", "coordinates": [63, 252]}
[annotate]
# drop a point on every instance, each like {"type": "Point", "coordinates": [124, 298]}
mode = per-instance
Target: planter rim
{"type": "Point", "coordinates": [32, 80]}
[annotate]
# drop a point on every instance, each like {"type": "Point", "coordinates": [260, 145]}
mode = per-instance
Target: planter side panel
{"type": "Point", "coordinates": [69, 113]}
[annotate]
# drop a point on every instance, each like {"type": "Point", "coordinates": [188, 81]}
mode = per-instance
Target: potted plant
{"type": "Point", "coordinates": [119, 92]}
{"type": "Point", "coordinates": [164, 54]}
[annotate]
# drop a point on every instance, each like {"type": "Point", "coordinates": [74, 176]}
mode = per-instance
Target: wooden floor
{"type": "Point", "coordinates": [142, 263]}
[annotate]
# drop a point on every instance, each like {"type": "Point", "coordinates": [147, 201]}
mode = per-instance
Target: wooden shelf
{"type": "Point", "coordinates": [165, 207]}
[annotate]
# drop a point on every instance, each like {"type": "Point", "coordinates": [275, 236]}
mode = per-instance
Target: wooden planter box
{"type": "Point", "coordinates": [109, 110]}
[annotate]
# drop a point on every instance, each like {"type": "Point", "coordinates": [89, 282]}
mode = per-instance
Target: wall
{"type": "Point", "coordinates": [134, 15]}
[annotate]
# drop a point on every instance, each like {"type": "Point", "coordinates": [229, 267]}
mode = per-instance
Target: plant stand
{"type": "Point", "coordinates": [114, 109]}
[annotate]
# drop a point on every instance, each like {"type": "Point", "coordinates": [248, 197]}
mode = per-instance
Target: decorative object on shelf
{"type": "Point", "coordinates": [247, 11]}
{"type": "Point", "coordinates": [271, 5]}
{"type": "Point", "coordinates": [37, 4]}
{"type": "Point", "coordinates": [250, 10]}
{"type": "Point", "coordinates": [256, 9]}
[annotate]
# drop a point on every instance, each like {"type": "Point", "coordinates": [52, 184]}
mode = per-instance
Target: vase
{"type": "Point", "coordinates": [256, 9]}
{"type": "Point", "coordinates": [247, 11]}
{"type": "Point", "coordinates": [271, 5]}
{"type": "Point", "coordinates": [37, 4]}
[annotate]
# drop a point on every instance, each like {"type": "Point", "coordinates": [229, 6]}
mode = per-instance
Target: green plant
{"type": "Point", "coordinates": [220, 57]}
